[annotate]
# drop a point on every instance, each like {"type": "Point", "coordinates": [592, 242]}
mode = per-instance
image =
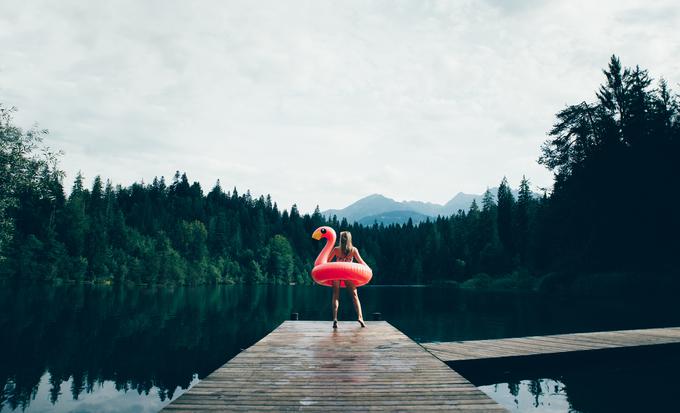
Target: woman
{"type": "Point", "coordinates": [346, 252]}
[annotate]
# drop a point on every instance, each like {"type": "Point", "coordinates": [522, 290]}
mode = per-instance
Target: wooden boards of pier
{"type": "Point", "coordinates": [306, 366]}
{"type": "Point", "coordinates": [543, 345]}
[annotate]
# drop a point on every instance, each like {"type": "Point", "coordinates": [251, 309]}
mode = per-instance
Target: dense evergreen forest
{"type": "Point", "coordinates": [612, 210]}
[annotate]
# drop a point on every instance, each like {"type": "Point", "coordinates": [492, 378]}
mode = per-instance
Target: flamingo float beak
{"type": "Point", "coordinates": [317, 234]}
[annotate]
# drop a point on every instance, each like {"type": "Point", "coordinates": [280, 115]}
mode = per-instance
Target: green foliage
{"type": "Point", "coordinates": [24, 164]}
{"type": "Point", "coordinates": [254, 273]}
{"type": "Point", "coordinates": [280, 265]}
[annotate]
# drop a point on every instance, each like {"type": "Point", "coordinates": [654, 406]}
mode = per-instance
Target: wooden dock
{"type": "Point", "coordinates": [554, 344]}
{"type": "Point", "coordinates": [306, 366]}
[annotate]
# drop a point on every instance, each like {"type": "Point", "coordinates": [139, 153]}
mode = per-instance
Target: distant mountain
{"type": "Point", "coordinates": [381, 209]}
{"type": "Point", "coordinates": [394, 217]}
{"type": "Point", "coordinates": [461, 201]}
{"type": "Point", "coordinates": [371, 205]}
{"type": "Point", "coordinates": [425, 208]}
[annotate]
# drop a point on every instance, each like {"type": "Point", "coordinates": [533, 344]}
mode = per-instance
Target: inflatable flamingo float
{"type": "Point", "coordinates": [325, 272]}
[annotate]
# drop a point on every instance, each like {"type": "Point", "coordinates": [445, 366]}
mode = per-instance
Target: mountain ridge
{"type": "Point", "coordinates": [377, 208]}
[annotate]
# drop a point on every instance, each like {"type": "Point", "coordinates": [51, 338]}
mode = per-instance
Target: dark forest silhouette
{"type": "Point", "coordinates": [612, 212]}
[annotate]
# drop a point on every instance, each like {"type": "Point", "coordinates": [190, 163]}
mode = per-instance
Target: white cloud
{"type": "Point", "coordinates": [318, 102]}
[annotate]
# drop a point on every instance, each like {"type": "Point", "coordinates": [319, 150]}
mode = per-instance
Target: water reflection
{"type": "Point", "coordinates": [641, 387]}
{"type": "Point", "coordinates": [144, 341]}
{"type": "Point", "coordinates": [104, 397]}
{"type": "Point", "coordinates": [62, 348]}
{"type": "Point", "coordinates": [537, 395]}
{"type": "Point", "coordinates": [633, 380]}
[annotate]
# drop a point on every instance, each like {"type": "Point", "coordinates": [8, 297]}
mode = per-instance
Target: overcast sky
{"type": "Point", "coordinates": [318, 102]}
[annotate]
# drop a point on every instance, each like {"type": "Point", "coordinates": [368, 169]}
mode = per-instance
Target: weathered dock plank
{"type": "Point", "coordinates": [306, 366]}
{"type": "Point", "coordinates": [552, 344]}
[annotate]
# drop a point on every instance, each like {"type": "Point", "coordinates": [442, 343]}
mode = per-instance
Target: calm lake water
{"type": "Point", "coordinates": [106, 349]}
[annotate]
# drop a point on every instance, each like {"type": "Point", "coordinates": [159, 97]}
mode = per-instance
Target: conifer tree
{"type": "Point", "coordinates": [522, 215]}
{"type": "Point", "coordinates": [505, 210]}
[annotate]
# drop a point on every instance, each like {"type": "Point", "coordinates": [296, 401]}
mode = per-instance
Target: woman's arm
{"type": "Point", "coordinates": [358, 257]}
{"type": "Point", "coordinates": [332, 255]}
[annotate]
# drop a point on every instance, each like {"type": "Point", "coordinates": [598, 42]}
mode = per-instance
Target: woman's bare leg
{"type": "Point", "coordinates": [335, 302]}
{"type": "Point", "coordinates": [352, 290]}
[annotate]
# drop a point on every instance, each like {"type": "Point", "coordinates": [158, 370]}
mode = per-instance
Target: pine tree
{"type": "Point", "coordinates": [505, 210]}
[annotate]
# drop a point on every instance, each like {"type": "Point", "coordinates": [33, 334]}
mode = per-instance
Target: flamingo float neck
{"type": "Point", "coordinates": [326, 251]}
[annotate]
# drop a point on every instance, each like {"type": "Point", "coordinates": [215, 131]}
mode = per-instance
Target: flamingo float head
{"type": "Point", "coordinates": [324, 232]}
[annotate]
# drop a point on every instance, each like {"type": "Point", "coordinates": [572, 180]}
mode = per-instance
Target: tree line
{"type": "Point", "coordinates": [613, 207]}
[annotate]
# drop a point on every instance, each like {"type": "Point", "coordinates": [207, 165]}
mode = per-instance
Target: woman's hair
{"type": "Point", "coordinates": [346, 242]}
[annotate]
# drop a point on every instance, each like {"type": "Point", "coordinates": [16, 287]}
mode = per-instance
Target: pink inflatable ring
{"type": "Point", "coordinates": [325, 272]}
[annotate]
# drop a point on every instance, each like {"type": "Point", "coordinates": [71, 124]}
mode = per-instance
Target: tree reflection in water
{"type": "Point", "coordinates": [81, 342]}
{"type": "Point", "coordinates": [533, 395]}
{"type": "Point", "coordinates": [627, 384]}
{"type": "Point", "coordinates": [139, 339]}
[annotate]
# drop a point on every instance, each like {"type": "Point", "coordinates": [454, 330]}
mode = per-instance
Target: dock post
{"type": "Point", "coordinates": [294, 316]}
{"type": "Point", "coordinates": [377, 316]}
